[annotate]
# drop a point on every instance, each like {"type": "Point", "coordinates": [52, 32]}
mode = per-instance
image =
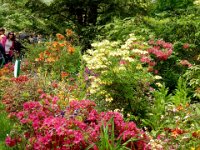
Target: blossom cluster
{"type": "Point", "coordinates": [106, 57]}
{"type": "Point", "coordinates": [159, 51]}
{"type": "Point", "coordinates": [55, 48]}
{"type": "Point", "coordinates": [185, 63]}
{"type": "Point", "coordinates": [76, 127]}
{"type": "Point", "coordinates": [20, 79]}
{"type": "Point", "coordinates": [8, 68]}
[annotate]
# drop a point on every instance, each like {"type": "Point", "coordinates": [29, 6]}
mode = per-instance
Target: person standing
{"type": "Point", "coordinates": [8, 43]}
{"type": "Point", "coordinates": [2, 34]}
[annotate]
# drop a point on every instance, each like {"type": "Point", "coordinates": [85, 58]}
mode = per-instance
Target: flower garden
{"type": "Point", "coordinates": [117, 95]}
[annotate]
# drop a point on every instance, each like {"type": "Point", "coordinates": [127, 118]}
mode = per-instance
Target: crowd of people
{"type": "Point", "coordinates": [11, 44]}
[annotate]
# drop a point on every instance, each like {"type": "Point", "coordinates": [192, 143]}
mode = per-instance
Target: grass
{"type": "Point", "coordinates": [5, 127]}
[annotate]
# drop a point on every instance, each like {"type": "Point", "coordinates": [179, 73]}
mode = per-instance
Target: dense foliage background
{"type": "Point", "coordinates": [136, 60]}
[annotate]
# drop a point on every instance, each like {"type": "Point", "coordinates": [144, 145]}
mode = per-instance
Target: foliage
{"type": "Point", "coordinates": [172, 4]}
{"type": "Point", "coordinates": [180, 128]}
{"type": "Point", "coordinates": [119, 29]}
{"type": "Point", "coordinates": [192, 77]}
{"type": "Point", "coordinates": [5, 126]}
{"type": "Point", "coordinates": [173, 120]}
{"type": "Point", "coordinates": [180, 27]}
{"type": "Point", "coordinates": [117, 80]}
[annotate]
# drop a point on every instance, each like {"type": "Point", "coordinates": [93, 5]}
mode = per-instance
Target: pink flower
{"type": "Point", "coordinates": [122, 62]}
{"type": "Point", "coordinates": [167, 45]}
{"type": "Point", "coordinates": [55, 99]}
{"type": "Point", "coordinates": [20, 115]}
{"type": "Point", "coordinates": [185, 63]}
{"type": "Point", "coordinates": [156, 71]}
{"type": "Point", "coordinates": [160, 42]}
{"type": "Point", "coordinates": [43, 95]}
{"type": "Point", "coordinates": [145, 60]}
{"type": "Point", "coordinates": [169, 52]}
{"type": "Point", "coordinates": [78, 137]}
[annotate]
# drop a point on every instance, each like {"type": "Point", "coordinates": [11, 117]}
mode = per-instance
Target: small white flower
{"type": "Point", "coordinates": [157, 77]}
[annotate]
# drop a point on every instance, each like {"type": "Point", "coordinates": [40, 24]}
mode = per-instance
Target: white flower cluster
{"type": "Point", "coordinates": [156, 144]}
{"type": "Point", "coordinates": [129, 43]}
{"type": "Point", "coordinates": [105, 57]}
{"type": "Point", "coordinates": [105, 51]}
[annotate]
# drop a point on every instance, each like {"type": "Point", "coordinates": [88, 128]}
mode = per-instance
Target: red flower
{"type": "Point", "coordinates": [186, 46]}
{"type": "Point", "coordinates": [196, 134]}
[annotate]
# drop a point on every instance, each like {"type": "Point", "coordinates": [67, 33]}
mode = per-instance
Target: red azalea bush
{"type": "Point", "coordinates": [74, 128]}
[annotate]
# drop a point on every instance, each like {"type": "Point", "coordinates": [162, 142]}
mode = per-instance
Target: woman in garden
{"type": "Point", "coordinates": [8, 45]}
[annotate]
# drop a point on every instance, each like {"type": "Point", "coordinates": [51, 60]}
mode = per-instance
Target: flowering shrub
{"type": "Point", "coordinates": [7, 69]}
{"type": "Point", "coordinates": [172, 121]}
{"type": "Point", "coordinates": [60, 55]}
{"type": "Point", "coordinates": [19, 90]}
{"type": "Point", "coordinates": [180, 127]}
{"type": "Point", "coordinates": [117, 80]}
{"type": "Point", "coordinates": [158, 52]}
{"type": "Point", "coordinates": [75, 127]}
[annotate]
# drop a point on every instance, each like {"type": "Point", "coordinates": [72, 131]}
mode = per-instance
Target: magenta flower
{"type": "Point", "coordinates": [10, 142]}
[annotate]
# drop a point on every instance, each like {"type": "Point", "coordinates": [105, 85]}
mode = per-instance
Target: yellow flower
{"type": "Point", "coordinates": [139, 66]}
{"type": "Point", "coordinates": [159, 84]}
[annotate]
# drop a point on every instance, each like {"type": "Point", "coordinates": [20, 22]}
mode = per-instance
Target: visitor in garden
{"type": "Point", "coordinates": [2, 34]}
{"type": "Point", "coordinates": [19, 48]}
{"type": "Point", "coordinates": [8, 45]}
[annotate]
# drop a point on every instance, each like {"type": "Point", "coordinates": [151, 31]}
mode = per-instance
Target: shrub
{"type": "Point", "coordinates": [46, 126]}
{"type": "Point", "coordinates": [117, 80]}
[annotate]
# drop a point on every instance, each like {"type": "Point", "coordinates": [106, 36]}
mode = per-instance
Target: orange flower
{"type": "Point", "coordinates": [41, 55]}
{"type": "Point", "coordinates": [187, 105]}
{"type": "Point", "coordinates": [62, 44]}
{"type": "Point", "coordinates": [70, 49]}
{"type": "Point", "coordinates": [180, 107]}
{"type": "Point", "coordinates": [69, 32]}
{"type": "Point", "coordinates": [55, 44]}
{"type": "Point", "coordinates": [40, 91]}
{"type": "Point", "coordinates": [64, 74]}
{"type": "Point", "coordinates": [59, 36]}
{"type": "Point", "coordinates": [176, 132]}
{"type": "Point", "coordinates": [47, 53]}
